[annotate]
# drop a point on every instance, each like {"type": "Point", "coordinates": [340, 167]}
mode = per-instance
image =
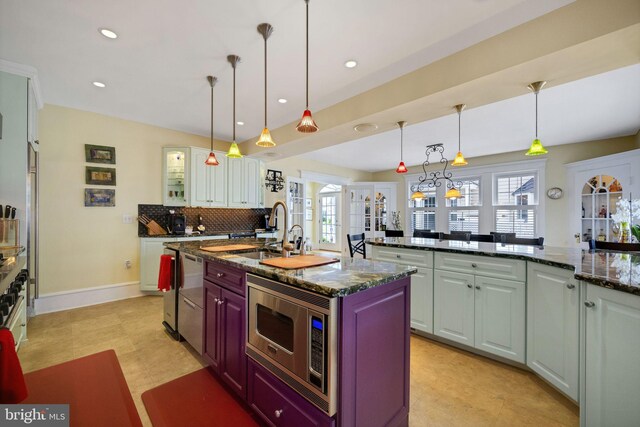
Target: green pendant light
{"type": "Point", "coordinates": [234, 150]}
{"type": "Point", "coordinates": [536, 149]}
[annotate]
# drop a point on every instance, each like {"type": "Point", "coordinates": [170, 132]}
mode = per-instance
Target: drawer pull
{"type": "Point", "coordinates": [589, 304]}
{"type": "Point", "coordinates": [474, 265]}
{"type": "Point", "coordinates": [272, 349]}
{"type": "Point", "coordinates": [571, 286]}
{"type": "Point", "coordinates": [219, 274]}
{"type": "Point", "coordinates": [398, 256]}
{"type": "Point", "coordinates": [478, 287]}
{"type": "Point", "coordinates": [189, 303]}
{"type": "Point", "coordinates": [278, 412]}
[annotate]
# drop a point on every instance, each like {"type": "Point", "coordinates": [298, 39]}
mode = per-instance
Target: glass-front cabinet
{"type": "Point", "coordinates": [599, 196]}
{"type": "Point", "coordinates": [175, 185]}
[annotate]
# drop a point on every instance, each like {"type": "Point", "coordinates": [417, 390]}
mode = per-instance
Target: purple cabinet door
{"type": "Point", "coordinates": [211, 325]}
{"type": "Point", "coordinates": [279, 405]}
{"type": "Point", "coordinates": [374, 357]}
{"type": "Point", "coordinates": [233, 369]}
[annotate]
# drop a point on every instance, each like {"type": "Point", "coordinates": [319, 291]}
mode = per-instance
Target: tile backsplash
{"type": "Point", "coordinates": [216, 220]}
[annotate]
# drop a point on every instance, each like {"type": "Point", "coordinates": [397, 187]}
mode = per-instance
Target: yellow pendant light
{"type": "Point", "coordinates": [265, 138]}
{"type": "Point", "coordinates": [307, 124]}
{"type": "Point", "coordinates": [234, 150]}
{"type": "Point", "coordinates": [452, 194]}
{"type": "Point", "coordinates": [536, 148]}
{"type": "Point", "coordinates": [211, 160]}
{"type": "Point", "coordinates": [417, 195]}
{"type": "Point", "coordinates": [459, 160]}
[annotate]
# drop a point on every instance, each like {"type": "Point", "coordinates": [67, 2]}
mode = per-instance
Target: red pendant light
{"type": "Point", "coordinates": [211, 160]}
{"type": "Point", "coordinates": [401, 167]}
{"type": "Point", "coordinates": [307, 125]}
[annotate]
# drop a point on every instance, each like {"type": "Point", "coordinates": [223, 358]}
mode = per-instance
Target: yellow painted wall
{"type": "Point", "coordinates": [556, 210]}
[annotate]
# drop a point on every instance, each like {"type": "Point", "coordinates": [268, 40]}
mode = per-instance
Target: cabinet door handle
{"type": "Point", "coordinates": [278, 412]}
{"type": "Point", "coordinates": [469, 286]}
{"type": "Point", "coordinates": [478, 287]}
{"type": "Point", "coordinates": [216, 299]}
{"type": "Point", "coordinates": [189, 303]}
{"type": "Point", "coordinates": [219, 274]}
{"type": "Point", "coordinates": [220, 301]}
{"type": "Point", "coordinates": [589, 304]}
{"type": "Point", "coordinates": [398, 256]}
{"type": "Point", "coordinates": [474, 265]}
{"type": "Point", "coordinates": [571, 286]}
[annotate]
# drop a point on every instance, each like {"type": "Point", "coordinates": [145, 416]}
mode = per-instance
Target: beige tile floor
{"type": "Point", "coordinates": [449, 387]}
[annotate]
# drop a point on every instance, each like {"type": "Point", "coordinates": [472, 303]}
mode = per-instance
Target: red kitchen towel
{"type": "Point", "coordinates": [164, 278]}
{"type": "Point", "coordinates": [12, 386]}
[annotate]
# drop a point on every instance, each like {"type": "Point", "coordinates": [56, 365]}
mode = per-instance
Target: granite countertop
{"type": "Point", "coordinates": [10, 270]}
{"type": "Point", "coordinates": [348, 276]}
{"type": "Point", "coordinates": [609, 269]}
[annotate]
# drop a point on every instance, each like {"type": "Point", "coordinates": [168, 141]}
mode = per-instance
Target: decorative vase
{"type": "Point", "coordinates": [624, 233]}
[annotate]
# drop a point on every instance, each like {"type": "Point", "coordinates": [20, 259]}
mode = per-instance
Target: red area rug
{"type": "Point", "coordinates": [93, 386]}
{"type": "Point", "coordinates": [194, 400]}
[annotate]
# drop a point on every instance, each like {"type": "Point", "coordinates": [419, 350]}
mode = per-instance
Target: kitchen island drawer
{"type": "Point", "coordinates": [278, 405]}
{"type": "Point", "coordinates": [500, 268]}
{"type": "Point", "coordinates": [416, 257]}
{"type": "Point", "coordinates": [225, 276]}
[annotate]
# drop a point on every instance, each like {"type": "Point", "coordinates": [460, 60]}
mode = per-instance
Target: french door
{"type": "Point", "coordinates": [330, 234]}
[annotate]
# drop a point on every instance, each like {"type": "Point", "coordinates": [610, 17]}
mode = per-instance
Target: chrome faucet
{"type": "Point", "coordinates": [286, 246]}
{"type": "Point", "coordinates": [303, 250]}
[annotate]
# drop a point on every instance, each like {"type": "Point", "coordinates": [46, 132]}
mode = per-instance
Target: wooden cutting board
{"type": "Point", "coordinates": [226, 248]}
{"type": "Point", "coordinates": [301, 261]}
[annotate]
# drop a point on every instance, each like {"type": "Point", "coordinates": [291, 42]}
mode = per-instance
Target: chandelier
{"type": "Point", "coordinates": [434, 179]}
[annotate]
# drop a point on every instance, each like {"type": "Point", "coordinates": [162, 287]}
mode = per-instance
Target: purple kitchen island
{"type": "Point", "coordinates": [320, 346]}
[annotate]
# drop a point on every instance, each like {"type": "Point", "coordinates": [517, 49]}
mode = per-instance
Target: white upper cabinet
{"type": "Point", "coordinates": [244, 183]}
{"type": "Point", "coordinates": [175, 176]}
{"type": "Point", "coordinates": [208, 183]}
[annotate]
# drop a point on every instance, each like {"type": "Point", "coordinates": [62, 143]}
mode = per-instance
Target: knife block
{"type": "Point", "coordinates": [9, 233]}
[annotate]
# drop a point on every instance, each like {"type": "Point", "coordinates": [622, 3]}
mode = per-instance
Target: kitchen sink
{"type": "Point", "coordinates": [260, 255]}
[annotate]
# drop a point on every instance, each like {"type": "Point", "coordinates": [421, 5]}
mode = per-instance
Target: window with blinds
{"type": "Point", "coordinates": [462, 212]}
{"type": "Point", "coordinates": [515, 203]}
{"type": "Point", "coordinates": [423, 212]}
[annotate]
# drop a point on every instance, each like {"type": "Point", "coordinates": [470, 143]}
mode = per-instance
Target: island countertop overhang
{"type": "Point", "coordinates": [342, 278]}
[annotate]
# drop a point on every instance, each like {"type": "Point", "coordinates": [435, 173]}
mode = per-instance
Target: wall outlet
{"type": "Point", "coordinates": [127, 264]}
{"type": "Point", "coordinates": [127, 219]}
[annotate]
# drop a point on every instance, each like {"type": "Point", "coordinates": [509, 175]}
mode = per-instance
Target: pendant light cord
{"type": "Point", "coordinates": [459, 119]}
{"type": "Point", "coordinates": [536, 114]}
{"type": "Point", "coordinates": [265, 81]}
{"type": "Point", "coordinates": [211, 117]}
{"type": "Point", "coordinates": [234, 102]}
{"type": "Point", "coordinates": [307, 71]}
{"type": "Point", "coordinates": [401, 140]}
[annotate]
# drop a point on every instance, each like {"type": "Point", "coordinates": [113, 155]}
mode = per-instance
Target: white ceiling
{"type": "Point", "coordinates": [603, 106]}
{"type": "Point", "coordinates": [155, 71]}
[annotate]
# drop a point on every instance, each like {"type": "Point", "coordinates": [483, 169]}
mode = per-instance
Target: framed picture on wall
{"type": "Point", "coordinates": [308, 214]}
{"type": "Point", "coordinates": [100, 154]}
{"type": "Point", "coordinates": [100, 176]}
{"type": "Point", "coordinates": [99, 197]}
{"type": "Point", "coordinates": [307, 203]}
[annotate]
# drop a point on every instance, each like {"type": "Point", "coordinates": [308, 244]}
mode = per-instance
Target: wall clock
{"type": "Point", "coordinates": [554, 193]}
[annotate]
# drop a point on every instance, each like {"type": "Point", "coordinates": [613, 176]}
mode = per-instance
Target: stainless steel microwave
{"type": "Point", "coordinates": [292, 333]}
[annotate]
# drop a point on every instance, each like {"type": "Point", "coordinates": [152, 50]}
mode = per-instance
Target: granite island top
{"type": "Point", "coordinates": [609, 269]}
{"type": "Point", "coordinates": [348, 276]}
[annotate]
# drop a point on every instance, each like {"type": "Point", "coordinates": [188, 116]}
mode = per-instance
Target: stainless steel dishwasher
{"type": "Point", "coordinates": [190, 300]}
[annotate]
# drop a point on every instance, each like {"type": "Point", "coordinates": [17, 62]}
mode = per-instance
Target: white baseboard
{"type": "Point", "coordinates": [58, 301]}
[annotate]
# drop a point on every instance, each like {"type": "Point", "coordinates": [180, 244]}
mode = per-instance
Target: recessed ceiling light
{"type": "Point", "coordinates": [108, 33]}
{"type": "Point", "coordinates": [99, 84]}
{"type": "Point", "coordinates": [240, 123]}
{"type": "Point", "coordinates": [350, 63]}
{"type": "Point", "coordinates": [282, 101]}
{"type": "Point", "coordinates": [365, 127]}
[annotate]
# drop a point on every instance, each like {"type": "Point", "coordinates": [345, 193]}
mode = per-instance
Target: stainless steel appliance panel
{"type": "Point", "coordinates": [191, 299]}
{"type": "Point", "coordinates": [170, 298]}
{"type": "Point", "coordinates": [190, 322]}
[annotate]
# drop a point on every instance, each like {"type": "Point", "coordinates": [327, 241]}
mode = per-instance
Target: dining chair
{"type": "Point", "coordinates": [502, 237]}
{"type": "Point", "coordinates": [427, 234]}
{"type": "Point", "coordinates": [356, 244]}
{"type": "Point", "coordinates": [461, 236]}
{"type": "Point", "coordinates": [488, 238]}
{"type": "Point", "coordinates": [393, 233]}
{"type": "Point", "coordinates": [614, 246]}
{"type": "Point", "coordinates": [536, 241]}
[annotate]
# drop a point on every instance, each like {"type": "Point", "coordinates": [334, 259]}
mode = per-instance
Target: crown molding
{"type": "Point", "coordinates": [25, 71]}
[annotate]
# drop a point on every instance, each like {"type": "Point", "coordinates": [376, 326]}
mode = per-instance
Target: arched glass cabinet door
{"type": "Point", "coordinates": [599, 196]}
